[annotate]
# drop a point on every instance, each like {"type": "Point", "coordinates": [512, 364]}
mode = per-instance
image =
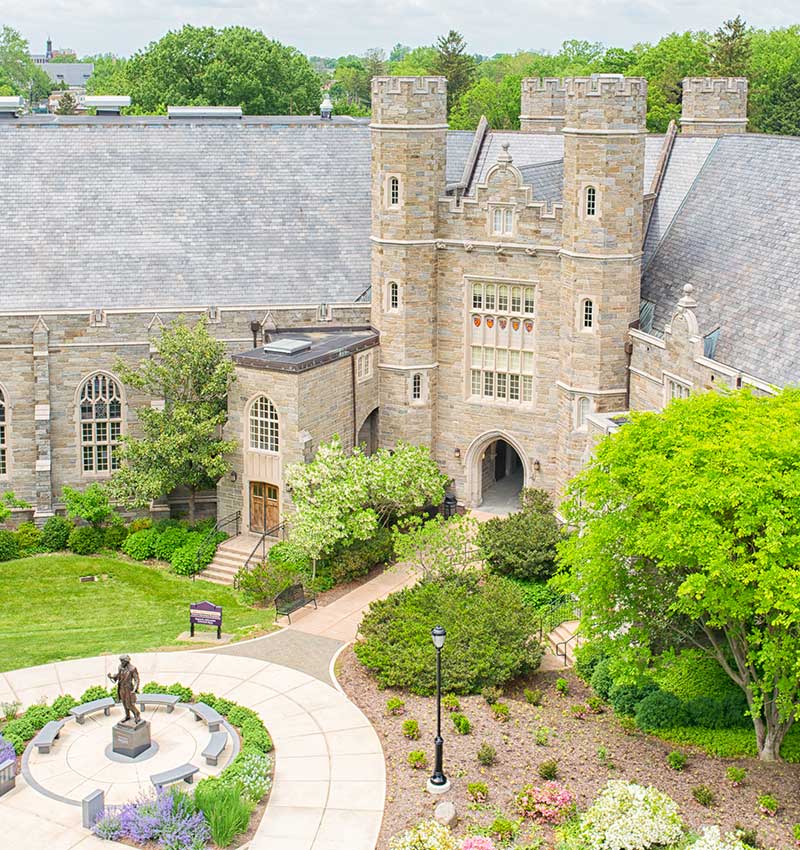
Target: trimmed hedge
{"type": "Point", "coordinates": [9, 548]}
{"type": "Point", "coordinates": [141, 545]}
{"type": "Point", "coordinates": [55, 534]}
{"type": "Point", "coordinates": [85, 540]}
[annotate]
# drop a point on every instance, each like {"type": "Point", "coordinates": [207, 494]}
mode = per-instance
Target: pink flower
{"type": "Point", "coordinates": [478, 842]}
{"type": "Point", "coordinates": [547, 803]}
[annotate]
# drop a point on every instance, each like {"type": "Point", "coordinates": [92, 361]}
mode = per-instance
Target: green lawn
{"type": "Point", "coordinates": [46, 614]}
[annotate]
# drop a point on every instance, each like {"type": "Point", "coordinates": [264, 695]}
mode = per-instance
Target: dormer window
{"type": "Point", "coordinates": [503, 221]}
{"type": "Point", "coordinates": [591, 201]}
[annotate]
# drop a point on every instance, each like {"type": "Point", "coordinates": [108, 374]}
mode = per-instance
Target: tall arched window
{"type": "Point", "coordinates": [587, 314]}
{"type": "Point", "coordinates": [581, 412]}
{"type": "Point", "coordinates": [394, 191]}
{"type": "Point", "coordinates": [394, 295]}
{"type": "Point", "coordinates": [3, 434]}
{"type": "Point", "coordinates": [100, 402]}
{"type": "Point", "coordinates": [591, 201]}
{"type": "Point", "coordinates": [416, 387]}
{"type": "Point", "coordinates": [263, 425]}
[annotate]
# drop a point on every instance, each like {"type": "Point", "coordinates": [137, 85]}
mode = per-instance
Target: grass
{"type": "Point", "coordinates": [729, 743]}
{"type": "Point", "coordinates": [49, 615]}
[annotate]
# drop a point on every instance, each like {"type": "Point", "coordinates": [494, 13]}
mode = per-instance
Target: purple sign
{"type": "Point", "coordinates": [205, 614]}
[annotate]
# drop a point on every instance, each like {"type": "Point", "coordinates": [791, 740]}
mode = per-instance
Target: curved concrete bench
{"type": "Point", "coordinates": [184, 772]}
{"type": "Point", "coordinates": [81, 712]}
{"type": "Point", "coordinates": [47, 735]}
{"type": "Point", "coordinates": [202, 711]}
{"type": "Point", "coordinates": [168, 700]}
{"type": "Point", "coordinates": [216, 744]}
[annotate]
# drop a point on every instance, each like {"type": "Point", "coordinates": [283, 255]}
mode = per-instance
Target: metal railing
{"type": "Point", "coordinates": [221, 524]}
{"type": "Point", "coordinates": [259, 552]}
{"type": "Point", "coordinates": [561, 647]}
{"type": "Point", "coordinates": [554, 615]}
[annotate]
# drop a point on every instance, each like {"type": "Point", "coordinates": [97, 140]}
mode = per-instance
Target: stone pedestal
{"type": "Point", "coordinates": [130, 739]}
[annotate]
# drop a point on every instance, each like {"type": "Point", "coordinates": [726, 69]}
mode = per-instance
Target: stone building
{"type": "Point", "coordinates": [502, 297]}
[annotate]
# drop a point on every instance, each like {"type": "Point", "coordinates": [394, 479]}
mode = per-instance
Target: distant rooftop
{"type": "Point", "coordinates": [163, 120]}
{"type": "Point", "coordinates": [312, 348]}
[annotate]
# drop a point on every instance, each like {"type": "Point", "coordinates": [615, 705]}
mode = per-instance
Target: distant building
{"type": "Point", "coordinates": [73, 74]}
{"type": "Point", "coordinates": [50, 54]}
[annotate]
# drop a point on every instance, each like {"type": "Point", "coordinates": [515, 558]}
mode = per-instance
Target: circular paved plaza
{"type": "Point", "coordinates": [329, 770]}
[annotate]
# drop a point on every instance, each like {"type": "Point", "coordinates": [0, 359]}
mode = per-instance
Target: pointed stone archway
{"type": "Point", "coordinates": [497, 469]}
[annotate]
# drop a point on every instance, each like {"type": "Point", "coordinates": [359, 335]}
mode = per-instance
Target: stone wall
{"type": "Point", "coordinates": [714, 106]}
{"type": "Point", "coordinates": [543, 105]}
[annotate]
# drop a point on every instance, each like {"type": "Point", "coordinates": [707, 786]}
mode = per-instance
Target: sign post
{"type": "Point", "coordinates": [205, 614]}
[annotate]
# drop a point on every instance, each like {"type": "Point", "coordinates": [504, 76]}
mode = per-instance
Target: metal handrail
{"type": "Point", "coordinates": [278, 531]}
{"type": "Point", "coordinates": [554, 615]}
{"type": "Point", "coordinates": [213, 531]}
{"type": "Point", "coordinates": [564, 644]}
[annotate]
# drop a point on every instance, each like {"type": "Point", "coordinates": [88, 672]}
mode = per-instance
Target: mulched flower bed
{"type": "Point", "coordinates": [576, 744]}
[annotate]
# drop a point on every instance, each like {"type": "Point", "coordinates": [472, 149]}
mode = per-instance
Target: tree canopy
{"type": "Point", "coordinates": [690, 536]}
{"type": "Point", "coordinates": [18, 73]}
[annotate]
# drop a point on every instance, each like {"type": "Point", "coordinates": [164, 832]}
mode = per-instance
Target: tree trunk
{"type": "Point", "coordinates": [192, 494]}
{"type": "Point", "coordinates": [769, 737]}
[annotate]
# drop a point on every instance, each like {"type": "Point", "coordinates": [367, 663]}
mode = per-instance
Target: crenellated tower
{"type": "Point", "coordinates": [604, 138]}
{"type": "Point", "coordinates": [714, 106]}
{"type": "Point", "coordinates": [543, 105]}
{"type": "Point", "coordinates": [409, 125]}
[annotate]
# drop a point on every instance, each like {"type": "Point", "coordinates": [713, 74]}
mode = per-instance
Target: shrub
{"type": "Point", "coordinates": [255, 736]}
{"type": "Point", "coordinates": [168, 541]}
{"type": "Point", "coordinates": [179, 690]}
{"type": "Point", "coordinates": [501, 712]}
{"type": "Point", "coordinates": [16, 741]}
{"type": "Point", "coordinates": [427, 835]}
{"type": "Point", "coordinates": [223, 706]}
{"type": "Point", "coordinates": [462, 724]}
{"type": "Point", "coordinates": [488, 636]}
{"type": "Point", "coordinates": [29, 537]}
{"type": "Point", "coordinates": [677, 760]}
{"type": "Point", "coordinates": [95, 692]}
{"type": "Point", "coordinates": [503, 829]}
{"type": "Point", "coordinates": [9, 547]}
{"type": "Point", "coordinates": [562, 686]}
{"type": "Point", "coordinates": [240, 714]}
{"type": "Point", "coordinates": [115, 535]}
{"type": "Point", "coordinates": [595, 705]}
{"type": "Point", "coordinates": [140, 524]}
{"type": "Point", "coordinates": [91, 504]}
{"type": "Point", "coordinates": [359, 558]}
{"type": "Point", "coordinates": [736, 775]}
{"type": "Point", "coordinates": [537, 595]}
{"type": "Point", "coordinates": [62, 705]}
{"type": "Point", "coordinates": [394, 705]}
{"type": "Point", "coordinates": [250, 771]}
{"type": "Point", "coordinates": [795, 834]}
{"type": "Point", "coordinates": [478, 791]}
{"type": "Point", "coordinates": [660, 710]}
{"type": "Point", "coordinates": [39, 716]}
{"type": "Point", "coordinates": [522, 545]}
{"type": "Point", "coordinates": [417, 759]}
{"type": "Point", "coordinates": [10, 709]}
{"type": "Point", "coordinates": [579, 711]}
{"type": "Point", "coordinates": [704, 795]}
{"type": "Point", "coordinates": [533, 696]}
{"type": "Point", "coordinates": [265, 580]}
{"type": "Point", "coordinates": [192, 556]}
{"type": "Point", "coordinates": [692, 673]}
{"type": "Point", "coordinates": [141, 545]}
{"type": "Point", "coordinates": [19, 728]}
{"type": "Point", "coordinates": [450, 702]}
{"type": "Point", "coordinates": [492, 694]}
{"type": "Point", "coordinates": [479, 842]}
{"type": "Point", "coordinates": [710, 713]}
{"type": "Point", "coordinates": [547, 803]}
{"type": "Point", "coordinates": [7, 751]}
{"type": "Point", "coordinates": [411, 730]}
{"type": "Point", "coordinates": [226, 811]}
{"type": "Point", "coordinates": [541, 736]}
{"type": "Point", "coordinates": [487, 755]}
{"type": "Point", "coordinates": [85, 540]}
{"type": "Point", "coordinates": [548, 769]}
{"type": "Point", "coordinates": [628, 815]}
{"type": "Point", "coordinates": [55, 534]}
{"type": "Point", "coordinates": [711, 838]}
{"type": "Point", "coordinates": [602, 681]}
{"type": "Point", "coordinates": [768, 805]}
{"type": "Point", "coordinates": [625, 698]}
{"type": "Point", "coordinates": [587, 657]}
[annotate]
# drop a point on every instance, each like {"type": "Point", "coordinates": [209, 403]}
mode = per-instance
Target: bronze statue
{"type": "Point", "coordinates": [127, 679]}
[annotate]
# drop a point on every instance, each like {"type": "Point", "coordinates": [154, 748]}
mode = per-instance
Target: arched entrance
{"type": "Point", "coordinates": [496, 472]}
{"type": "Point", "coordinates": [368, 433]}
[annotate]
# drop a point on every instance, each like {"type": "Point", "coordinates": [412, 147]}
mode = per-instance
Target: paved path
{"type": "Point", "coordinates": [329, 771]}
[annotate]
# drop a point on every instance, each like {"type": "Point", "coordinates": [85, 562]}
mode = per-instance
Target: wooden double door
{"type": "Point", "coordinates": [265, 511]}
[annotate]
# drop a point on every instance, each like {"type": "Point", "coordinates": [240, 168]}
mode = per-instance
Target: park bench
{"type": "Point", "coordinates": [168, 700]}
{"type": "Point", "coordinates": [292, 598]}
{"type": "Point", "coordinates": [81, 712]}
{"type": "Point", "coordinates": [167, 777]}
{"type": "Point", "coordinates": [8, 775]}
{"type": "Point", "coordinates": [47, 734]}
{"type": "Point", "coordinates": [202, 711]}
{"type": "Point", "coordinates": [216, 744]}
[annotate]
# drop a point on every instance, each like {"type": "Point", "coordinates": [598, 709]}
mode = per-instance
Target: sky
{"type": "Point", "coordinates": [338, 27]}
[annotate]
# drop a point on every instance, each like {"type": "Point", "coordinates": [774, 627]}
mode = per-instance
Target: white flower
{"type": "Point", "coordinates": [711, 838]}
{"type": "Point", "coordinates": [427, 835]}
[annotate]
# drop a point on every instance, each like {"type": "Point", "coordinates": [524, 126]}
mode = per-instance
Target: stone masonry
{"type": "Point", "coordinates": [714, 106]}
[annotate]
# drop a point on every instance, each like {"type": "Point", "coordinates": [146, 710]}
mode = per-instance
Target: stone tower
{"type": "Point", "coordinates": [543, 105]}
{"type": "Point", "coordinates": [714, 106]}
{"type": "Point", "coordinates": [604, 138]}
{"type": "Point", "coordinates": [409, 125]}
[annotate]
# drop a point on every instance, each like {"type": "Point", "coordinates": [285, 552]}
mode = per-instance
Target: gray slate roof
{"type": "Point", "coordinates": [183, 214]}
{"type": "Point", "coordinates": [72, 73]}
{"type": "Point", "coordinates": [736, 239]}
{"type": "Point", "coordinates": [547, 181]}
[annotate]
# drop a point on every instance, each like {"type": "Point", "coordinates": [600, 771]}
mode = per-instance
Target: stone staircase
{"type": "Point", "coordinates": [230, 556]}
{"type": "Point", "coordinates": [562, 632]}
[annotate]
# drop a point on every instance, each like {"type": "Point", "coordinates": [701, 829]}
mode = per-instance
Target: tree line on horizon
{"type": "Point", "coordinates": [238, 66]}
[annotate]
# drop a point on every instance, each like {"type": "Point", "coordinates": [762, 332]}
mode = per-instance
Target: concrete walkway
{"type": "Point", "coordinates": [330, 779]}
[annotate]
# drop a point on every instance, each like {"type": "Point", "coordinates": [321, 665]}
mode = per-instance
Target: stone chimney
{"type": "Point", "coordinates": [714, 106]}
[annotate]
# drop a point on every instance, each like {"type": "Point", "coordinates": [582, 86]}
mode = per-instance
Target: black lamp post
{"type": "Point", "coordinates": [438, 783]}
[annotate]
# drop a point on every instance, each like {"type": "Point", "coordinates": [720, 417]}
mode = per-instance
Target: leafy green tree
{"type": "Point", "coordinates": [419, 62]}
{"type": "Point", "coordinates": [92, 504]}
{"type": "Point", "coordinates": [780, 107]}
{"type": "Point", "coordinates": [452, 61]}
{"type": "Point", "coordinates": [375, 63]}
{"type": "Point", "coordinates": [730, 49]}
{"type": "Point", "coordinates": [439, 549]}
{"type": "Point", "coordinates": [690, 534]}
{"type": "Point", "coordinates": [8, 501]}
{"type": "Point", "coordinates": [351, 81]}
{"type": "Point", "coordinates": [108, 76]}
{"type": "Point", "coordinates": [499, 102]}
{"type": "Point", "coordinates": [67, 104]}
{"type": "Point", "coordinates": [234, 66]}
{"type": "Point", "coordinates": [774, 54]}
{"type": "Point", "coordinates": [17, 69]}
{"type": "Point", "coordinates": [399, 51]}
{"type": "Point", "coordinates": [65, 59]}
{"type": "Point", "coordinates": [181, 443]}
{"type": "Point", "coordinates": [617, 60]}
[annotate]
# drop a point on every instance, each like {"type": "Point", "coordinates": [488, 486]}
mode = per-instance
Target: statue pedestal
{"type": "Point", "coordinates": [130, 739]}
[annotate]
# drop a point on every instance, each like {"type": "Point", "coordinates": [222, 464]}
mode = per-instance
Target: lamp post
{"type": "Point", "coordinates": [438, 783]}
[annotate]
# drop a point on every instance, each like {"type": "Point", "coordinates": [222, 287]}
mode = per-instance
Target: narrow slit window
{"type": "Point", "coordinates": [587, 314]}
{"type": "Point", "coordinates": [394, 295]}
{"type": "Point", "coordinates": [3, 444]}
{"type": "Point", "coordinates": [581, 412]}
{"type": "Point", "coordinates": [394, 192]}
{"type": "Point", "coordinates": [416, 387]}
{"type": "Point", "coordinates": [591, 201]}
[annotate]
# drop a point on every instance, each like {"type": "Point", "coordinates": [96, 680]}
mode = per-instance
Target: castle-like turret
{"type": "Point", "coordinates": [601, 251]}
{"type": "Point", "coordinates": [543, 105]}
{"type": "Point", "coordinates": [409, 124]}
{"type": "Point", "coordinates": [714, 106]}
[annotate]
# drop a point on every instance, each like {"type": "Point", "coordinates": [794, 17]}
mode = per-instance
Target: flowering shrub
{"type": "Point", "coordinates": [768, 805]}
{"type": "Point", "coordinates": [711, 838]}
{"type": "Point", "coordinates": [478, 842]}
{"type": "Point", "coordinates": [627, 816]}
{"type": "Point", "coordinates": [7, 751]}
{"type": "Point", "coordinates": [546, 803]}
{"type": "Point", "coordinates": [427, 835]}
